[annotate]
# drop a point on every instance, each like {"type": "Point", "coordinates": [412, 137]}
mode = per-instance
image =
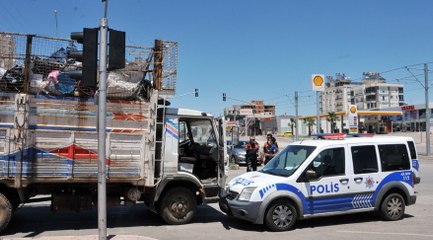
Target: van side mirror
{"type": "Point", "coordinates": [310, 174]}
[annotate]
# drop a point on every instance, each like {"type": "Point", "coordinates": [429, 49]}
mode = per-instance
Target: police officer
{"type": "Point", "coordinates": [252, 149]}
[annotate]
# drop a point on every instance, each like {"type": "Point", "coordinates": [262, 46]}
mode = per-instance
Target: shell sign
{"type": "Point", "coordinates": [353, 119]}
{"type": "Point", "coordinates": [318, 82]}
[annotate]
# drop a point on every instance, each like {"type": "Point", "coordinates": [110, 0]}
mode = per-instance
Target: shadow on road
{"type": "Point", "coordinates": [33, 220]}
{"type": "Point", "coordinates": [230, 222]}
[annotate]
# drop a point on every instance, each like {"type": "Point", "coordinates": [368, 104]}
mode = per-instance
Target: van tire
{"type": "Point", "coordinates": [178, 206]}
{"type": "Point", "coordinates": [6, 211]}
{"type": "Point", "coordinates": [392, 207]}
{"type": "Point", "coordinates": [281, 216]}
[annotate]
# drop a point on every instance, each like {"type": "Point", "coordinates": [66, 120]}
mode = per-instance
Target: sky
{"type": "Point", "coordinates": [256, 49]}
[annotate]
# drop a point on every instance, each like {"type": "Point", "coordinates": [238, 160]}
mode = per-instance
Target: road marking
{"type": "Point", "coordinates": [385, 233]}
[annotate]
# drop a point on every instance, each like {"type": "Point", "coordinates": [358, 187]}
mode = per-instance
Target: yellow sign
{"type": "Point", "coordinates": [353, 109]}
{"type": "Point", "coordinates": [318, 82]}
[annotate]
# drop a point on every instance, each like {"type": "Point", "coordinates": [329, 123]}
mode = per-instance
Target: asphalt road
{"type": "Point", "coordinates": [37, 221]}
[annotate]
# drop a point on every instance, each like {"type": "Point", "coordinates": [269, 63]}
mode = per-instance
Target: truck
{"type": "Point", "coordinates": [170, 159]}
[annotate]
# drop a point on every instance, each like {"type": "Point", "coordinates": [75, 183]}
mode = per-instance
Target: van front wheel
{"type": "Point", "coordinates": [281, 216]}
{"type": "Point", "coordinates": [392, 207]}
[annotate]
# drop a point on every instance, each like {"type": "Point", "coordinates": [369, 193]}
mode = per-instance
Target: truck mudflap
{"type": "Point", "coordinates": [224, 206]}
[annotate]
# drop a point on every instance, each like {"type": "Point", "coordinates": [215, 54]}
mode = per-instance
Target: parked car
{"type": "Point", "coordinates": [237, 153]}
{"type": "Point", "coordinates": [287, 134]}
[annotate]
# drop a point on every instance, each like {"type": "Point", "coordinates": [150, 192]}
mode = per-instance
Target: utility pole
{"type": "Point", "coordinates": [296, 116]}
{"type": "Point", "coordinates": [427, 112]}
{"type": "Point", "coordinates": [318, 112]}
{"type": "Point", "coordinates": [102, 120]}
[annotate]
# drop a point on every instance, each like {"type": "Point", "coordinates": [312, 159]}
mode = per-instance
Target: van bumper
{"type": "Point", "coordinates": [412, 200]}
{"type": "Point", "coordinates": [244, 210]}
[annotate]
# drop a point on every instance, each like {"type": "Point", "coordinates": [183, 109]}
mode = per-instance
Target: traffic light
{"type": "Point", "coordinates": [88, 56]}
{"type": "Point", "coordinates": [224, 97]}
{"type": "Point", "coordinates": [116, 50]}
{"type": "Point", "coordinates": [196, 92]}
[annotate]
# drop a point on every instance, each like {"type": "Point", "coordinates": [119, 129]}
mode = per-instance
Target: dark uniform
{"type": "Point", "coordinates": [252, 149]}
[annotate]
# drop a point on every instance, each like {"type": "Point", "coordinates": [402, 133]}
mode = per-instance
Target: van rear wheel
{"type": "Point", "coordinates": [178, 206]}
{"type": "Point", "coordinates": [6, 210]}
{"type": "Point", "coordinates": [281, 216]}
{"type": "Point", "coordinates": [392, 207]}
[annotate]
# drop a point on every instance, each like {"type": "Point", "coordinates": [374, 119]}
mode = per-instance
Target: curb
{"type": "Point", "coordinates": [86, 237]}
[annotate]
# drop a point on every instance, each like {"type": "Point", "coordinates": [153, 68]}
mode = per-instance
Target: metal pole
{"type": "Point", "coordinates": [55, 16]}
{"type": "Point", "coordinates": [427, 112]}
{"type": "Point", "coordinates": [102, 184]}
{"type": "Point", "coordinates": [318, 112]}
{"type": "Point", "coordinates": [296, 116]}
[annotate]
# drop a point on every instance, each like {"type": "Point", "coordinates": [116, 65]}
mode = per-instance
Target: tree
{"type": "Point", "coordinates": [292, 124]}
{"type": "Point", "coordinates": [332, 119]}
{"type": "Point", "coordinates": [310, 123]}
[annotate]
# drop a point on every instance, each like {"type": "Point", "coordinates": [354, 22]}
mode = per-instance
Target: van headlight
{"type": "Point", "coordinates": [246, 193]}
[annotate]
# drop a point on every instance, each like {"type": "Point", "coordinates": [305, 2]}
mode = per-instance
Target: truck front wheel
{"type": "Point", "coordinates": [6, 210]}
{"type": "Point", "coordinates": [178, 206]}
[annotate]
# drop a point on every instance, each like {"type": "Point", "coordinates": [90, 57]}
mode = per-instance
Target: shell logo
{"type": "Point", "coordinates": [318, 81]}
{"type": "Point", "coordinates": [353, 109]}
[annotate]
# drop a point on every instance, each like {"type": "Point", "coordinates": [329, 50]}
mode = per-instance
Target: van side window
{"type": "Point", "coordinates": [412, 150]}
{"type": "Point", "coordinates": [394, 157]}
{"type": "Point", "coordinates": [364, 159]}
{"type": "Point", "coordinates": [330, 162]}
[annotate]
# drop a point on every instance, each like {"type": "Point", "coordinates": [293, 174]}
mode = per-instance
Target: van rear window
{"type": "Point", "coordinates": [412, 150]}
{"type": "Point", "coordinates": [394, 157]}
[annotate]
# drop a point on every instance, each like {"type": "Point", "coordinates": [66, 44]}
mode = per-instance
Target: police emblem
{"type": "Point", "coordinates": [369, 182]}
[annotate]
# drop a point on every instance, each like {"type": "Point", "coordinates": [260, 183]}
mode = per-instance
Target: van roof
{"type": "Point", "coordinates": [352, 140]}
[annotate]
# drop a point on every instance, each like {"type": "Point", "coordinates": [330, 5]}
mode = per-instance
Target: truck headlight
{"type": "Point", "coordinates": [246, 193]}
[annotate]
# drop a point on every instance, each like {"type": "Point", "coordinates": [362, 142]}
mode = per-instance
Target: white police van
{"type": "Point", "coordinates": [327, 177]}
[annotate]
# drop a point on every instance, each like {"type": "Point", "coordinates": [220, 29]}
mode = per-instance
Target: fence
{"type": "Point", "coordinates": [40, 65]}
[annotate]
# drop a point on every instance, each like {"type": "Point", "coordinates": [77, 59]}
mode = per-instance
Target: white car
{"type": "Point", "coordinates": [327, 177]}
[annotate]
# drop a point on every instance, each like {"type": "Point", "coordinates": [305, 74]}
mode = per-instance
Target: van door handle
{"type": "Point", "coordinates": [358, 180]}
{"type": "Point", "coordinates": [344, 180]}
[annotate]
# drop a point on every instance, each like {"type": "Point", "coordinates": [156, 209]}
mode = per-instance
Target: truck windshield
{"type": "Point", "coordinates": [287, 161]}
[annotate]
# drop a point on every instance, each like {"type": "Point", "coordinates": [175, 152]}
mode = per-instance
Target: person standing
{"type": "Point", "coordinates": [252, 149]}
{"type": "Point", "coordinates": [267, 147]}
{"type": "Point", "coordinates": [270, 149]}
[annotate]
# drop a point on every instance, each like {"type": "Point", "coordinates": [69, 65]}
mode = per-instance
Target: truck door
{"type": "Point", "coordinates": [223, 159]}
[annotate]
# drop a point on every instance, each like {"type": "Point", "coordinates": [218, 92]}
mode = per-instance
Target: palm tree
{"type": "Point", "coordinates": [310, 123]}
{"type": "Point", "coordinates": [332, 119]}
{"type": "Point", "coordinates": [292, 124]}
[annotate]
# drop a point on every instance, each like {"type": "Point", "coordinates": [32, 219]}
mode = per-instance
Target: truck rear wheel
{"type": "Point", "coordinates": [6, 210]}
{"type": "Point", "coordinates": [178, 206]}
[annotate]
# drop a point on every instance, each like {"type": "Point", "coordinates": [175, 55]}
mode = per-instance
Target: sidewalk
{"type": "Point", "coordinates": [85, 237]}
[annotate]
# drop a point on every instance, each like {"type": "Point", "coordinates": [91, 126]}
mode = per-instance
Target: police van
{"type": "Point", "coordinates": [327, 177]}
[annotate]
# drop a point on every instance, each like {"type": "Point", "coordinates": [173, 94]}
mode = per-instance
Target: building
{"type": "Point", "coordinates": [255, 118]}
{"type": "Point", "coordinates": [7, 52]}
{"type": "Point", "coordinates": [371, 94]}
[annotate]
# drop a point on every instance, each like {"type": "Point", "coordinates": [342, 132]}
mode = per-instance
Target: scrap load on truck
{"type": "Point", "coordinates": [172, 159]}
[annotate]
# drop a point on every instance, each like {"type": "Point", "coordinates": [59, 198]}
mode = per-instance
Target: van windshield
{"type": "Point", "coordinates": [287, 161]}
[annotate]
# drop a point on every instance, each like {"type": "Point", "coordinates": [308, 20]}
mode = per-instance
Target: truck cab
{"type": "Point", "coordinates": [194, 166]}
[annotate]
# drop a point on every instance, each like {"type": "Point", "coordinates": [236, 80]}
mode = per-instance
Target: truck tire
{"type": "Point", "coordinates": [6, 210]}
{"type": "Point", "coordinates": [392, 207]}
{"type": "Point", "coordinates": [178, 206]}
{"type": "Point", "coordinates": [281, 216]}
